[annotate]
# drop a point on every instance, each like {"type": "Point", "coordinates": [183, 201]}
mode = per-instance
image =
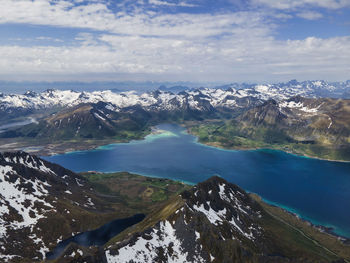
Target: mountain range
{"type": "Point", "coordinates": [311, 126]}
{"type": "Point", "coordinates": [229, 96]}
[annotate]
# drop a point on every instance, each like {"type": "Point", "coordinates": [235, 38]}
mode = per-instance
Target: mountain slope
{"type": "Point", "coordinates": [40, 204]}
{"type": "Point", "coordinates": [85, 121]}
{"type": "Point", "coordinates": [315, 127]}
{"type": "Point", "coordinates": [214, 222]}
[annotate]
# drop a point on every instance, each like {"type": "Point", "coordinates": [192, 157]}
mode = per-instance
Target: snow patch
{"type": "Point", "coordinates": [144, 250]}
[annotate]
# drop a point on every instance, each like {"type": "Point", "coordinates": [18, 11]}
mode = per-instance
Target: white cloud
{"type": "Point", "coordinates": [293, 4]}
{"type": "Point", "coordinates": [98, 17]}
{"type": "Point", "coordinates": [226, 46]}
{"type": "Point", "coordinates": [166, 3]}
{"type": "Point", "coordinates": [45, 38]}
{"type": "Point", "coordinates": [310, 15]}
{"type": "Point", "coordinates": [241, 58]}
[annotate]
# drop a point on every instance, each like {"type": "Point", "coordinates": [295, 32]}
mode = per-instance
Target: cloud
{"type": "Point", "coordinates": [310, 15]}
{"type": "Point", "coordinates": [45, 38]}
{"type": "Point", "coordinates": [166, 3]}
{"type": "Point", "coordinates": [230, 59]}
{"type": "Point", "coordinates": [293, 4]}
{"type": "Point", "coordinates": [97, 16]}
{"type": "Point", "coordinates": [226, 46]}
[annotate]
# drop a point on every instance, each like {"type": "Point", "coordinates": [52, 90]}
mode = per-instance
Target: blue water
{"type": "Point", "coordinates": [97, 237]}
{"type": "Point", "coordinates": [316, 190]}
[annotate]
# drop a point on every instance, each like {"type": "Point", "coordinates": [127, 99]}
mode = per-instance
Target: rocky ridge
{"type": "Point", "coordinates": [40, 203]}
{"type": "Point", "coordinates": [215, 221]}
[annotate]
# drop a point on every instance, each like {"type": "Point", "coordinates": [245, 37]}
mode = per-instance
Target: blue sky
{"type": "Point", "coordinates": [174, 40]}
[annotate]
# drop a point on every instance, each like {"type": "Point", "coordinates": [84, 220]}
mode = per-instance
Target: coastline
{"type": "Point", "coordinates": [63, 147]}
{"type": "Point", "coordinates": [319, 227]}
{"type": "Point", "coordinates": [50, 149]}
{"type": "Point", "coordinates": [322, 236]}
{"type": "Point", "coordinates": [237, 148]}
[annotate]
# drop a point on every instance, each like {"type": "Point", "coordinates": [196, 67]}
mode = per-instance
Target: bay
{"type": "Point", "coordinates": [316, 190]}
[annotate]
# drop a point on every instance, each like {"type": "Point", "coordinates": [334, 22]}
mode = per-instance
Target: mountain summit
{"type": "Point", "coordinates": [215, 221]}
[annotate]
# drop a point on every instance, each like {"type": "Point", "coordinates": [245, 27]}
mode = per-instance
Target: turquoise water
{"type": "Point", "coordinates": [314, 189]}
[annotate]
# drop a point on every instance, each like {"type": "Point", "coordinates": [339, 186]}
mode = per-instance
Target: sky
{"type": "Point", "coordinates": [174, 40]}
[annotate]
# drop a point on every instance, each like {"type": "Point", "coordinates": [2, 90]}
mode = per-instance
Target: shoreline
{"type": "Point", "coordinates": [64, 147]}
{"type": "Point", "coordinates": [319, 227]}
{"type": "Point", "coordinates": [48, 149]}
{"type": "Point", "coordinates": [320, 235]}
{"type": "Point", "coordinates": [236, 148]}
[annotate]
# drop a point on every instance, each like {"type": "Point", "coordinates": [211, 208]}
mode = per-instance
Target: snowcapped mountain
{"type": "Point", "coordinates": [157, 100]}
{"type": "Point", "coordinates": [307, 117]}
{"type": "Point", "coordinates": [214, 222]}
{"type": "Point", "coordinates": [229, 96]}
{"type": "Point", "coordinates": [186, 235]}
{"type": "Point", "coordinates": [98, 120]}
{"type": "Point", "coordinates": [310, 89]}
{"type": "Point", "coordinates": [40, 203]}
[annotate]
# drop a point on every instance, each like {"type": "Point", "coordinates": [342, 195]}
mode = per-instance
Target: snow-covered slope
{"type": "Point", "coordinates": [311, 89]}
{"type": "Point", "coordinates": [34, 196]}
{"type": "Point", "coordinates": [213, 207]}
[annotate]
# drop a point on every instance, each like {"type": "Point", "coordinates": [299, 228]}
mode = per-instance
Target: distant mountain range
{"type": "Point", "coordinates": [230, 96]}
{"type": "Point", "coordinates": [215, 221]}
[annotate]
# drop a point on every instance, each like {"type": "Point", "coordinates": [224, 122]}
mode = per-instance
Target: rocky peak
{"type": "Point", "coordinates": [215, 221]}
{"type": "Point", "coordinates": [266, 114]}
{"type": "Point", "coordinates": [214, 215]}
{"type": "Point", "coordinates": [31, 94]}
{"type": "Point", "coordinates": [225, 204]}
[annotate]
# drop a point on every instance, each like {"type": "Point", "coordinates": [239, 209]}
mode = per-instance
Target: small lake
{"type": "Point", "coordinates": [97, 237]}
{"type": "Point", "coordinates": [316, 190]}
